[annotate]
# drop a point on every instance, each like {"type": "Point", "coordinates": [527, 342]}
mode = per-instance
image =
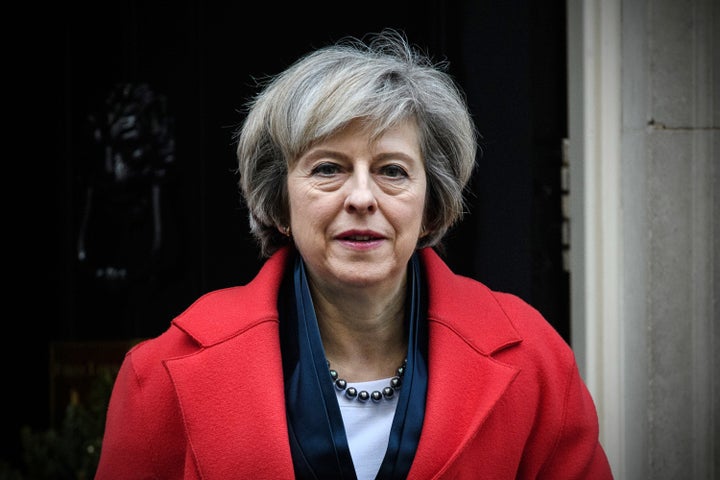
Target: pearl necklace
{"type": "Point", "coordinates": [363, 395]}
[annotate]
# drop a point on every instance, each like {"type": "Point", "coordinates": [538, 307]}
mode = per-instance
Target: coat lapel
{"type": "Point", "coordinates": [230, 391]}
{"type": "Point", "coordinates": [463, 388]}
{"type": "Point", "coordinates": [227, 422]}
{"type": "Point", "coordinates": [466, 326]}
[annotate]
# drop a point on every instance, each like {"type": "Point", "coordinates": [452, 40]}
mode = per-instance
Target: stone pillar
{"type": "Point", "coordinates": [659, 401]}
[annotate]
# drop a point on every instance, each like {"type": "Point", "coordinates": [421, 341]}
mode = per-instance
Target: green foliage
{"type": "Point", "coordinates": [72, 451]}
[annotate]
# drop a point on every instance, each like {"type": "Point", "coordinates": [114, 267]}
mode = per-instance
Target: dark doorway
{"type": "Point", "coordinates": [199, 61]}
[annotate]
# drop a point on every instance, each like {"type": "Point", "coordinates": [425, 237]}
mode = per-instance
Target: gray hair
{"type": "Point", "coordinates": [382, 81]}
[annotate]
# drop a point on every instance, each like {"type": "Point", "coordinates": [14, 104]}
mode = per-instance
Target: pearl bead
{"type": "Point", "coordinates": [363, 396]}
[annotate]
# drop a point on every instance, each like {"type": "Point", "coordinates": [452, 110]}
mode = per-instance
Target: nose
{"type": "Point", "coordinates": [361, 196]}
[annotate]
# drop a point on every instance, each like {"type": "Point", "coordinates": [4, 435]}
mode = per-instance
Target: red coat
{"type": "Point", "coordinates": [204, 400]}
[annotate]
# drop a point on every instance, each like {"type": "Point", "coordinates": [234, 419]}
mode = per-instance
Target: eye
{"type": "Point", "coordinates": [393, 171]}
{"type": "Point", "coordinates": [325, 169]}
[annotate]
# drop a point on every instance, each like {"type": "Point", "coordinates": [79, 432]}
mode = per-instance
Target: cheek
{"type": "Point", "coordinates": [308, 212]}
{"type": "Point", "coordinates": [415, 209]}
{"type": "Point", "coordinates": [297, 200]}
{"type": "Point", "coordinates": [408, 218]}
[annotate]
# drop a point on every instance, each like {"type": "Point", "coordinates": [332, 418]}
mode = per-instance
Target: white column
{"type": "Point", "coordinates": [594, 119]}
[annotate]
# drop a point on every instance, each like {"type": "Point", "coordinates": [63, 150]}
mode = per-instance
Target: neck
{"type": "Point", "coordinates": [363, 335]}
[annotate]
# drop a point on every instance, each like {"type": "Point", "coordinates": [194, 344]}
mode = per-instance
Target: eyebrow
{"type": "Point", "coordinates": [402, 155]}
{"type": "Point", "coordinates": [315, 154]}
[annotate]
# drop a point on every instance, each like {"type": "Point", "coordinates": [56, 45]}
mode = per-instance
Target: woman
{"type": "Point", "coordinates": [355, 352]}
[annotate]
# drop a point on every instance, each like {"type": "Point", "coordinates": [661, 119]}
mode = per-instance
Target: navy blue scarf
{"type": "Point", "coordinates": [318, 442]}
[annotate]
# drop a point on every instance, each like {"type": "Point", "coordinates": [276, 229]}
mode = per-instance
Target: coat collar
{"type": "Point", "coordinates": [477, 317]}
{"type": "Point", "coordinates": [222, 314]}
{"type": "Point", "coordinates": [467, 307]}
{"type": "Point", "coordinates": [237, 329]}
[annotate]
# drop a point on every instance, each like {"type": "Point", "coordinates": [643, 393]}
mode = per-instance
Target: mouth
{"type": "Point", "coordinates": [360, 237]}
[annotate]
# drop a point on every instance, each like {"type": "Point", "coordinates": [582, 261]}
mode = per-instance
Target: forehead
{"type": "Point", "coordinates": [404, 134]}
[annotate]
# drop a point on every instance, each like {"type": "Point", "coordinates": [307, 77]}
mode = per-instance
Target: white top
{"type": "Point", "coordinates": [367, 426]}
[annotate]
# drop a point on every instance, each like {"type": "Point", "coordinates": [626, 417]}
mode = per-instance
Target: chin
{"type": "Point", "coordinates": [365, 276]}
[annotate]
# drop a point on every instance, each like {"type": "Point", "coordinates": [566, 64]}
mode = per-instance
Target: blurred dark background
{"type": "Point", "coordinates": [101, 257]}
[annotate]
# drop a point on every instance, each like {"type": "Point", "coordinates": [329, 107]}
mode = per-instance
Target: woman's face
{"type": "Point", "coordinates": [356, 207]}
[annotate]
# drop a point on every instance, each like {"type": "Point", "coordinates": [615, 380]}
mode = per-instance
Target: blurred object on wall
{"type": "Point", "coordinates": [126, 238]}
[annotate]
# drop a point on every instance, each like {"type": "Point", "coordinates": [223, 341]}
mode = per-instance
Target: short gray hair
{"type": "Point", "coordinates": [383, 81]}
